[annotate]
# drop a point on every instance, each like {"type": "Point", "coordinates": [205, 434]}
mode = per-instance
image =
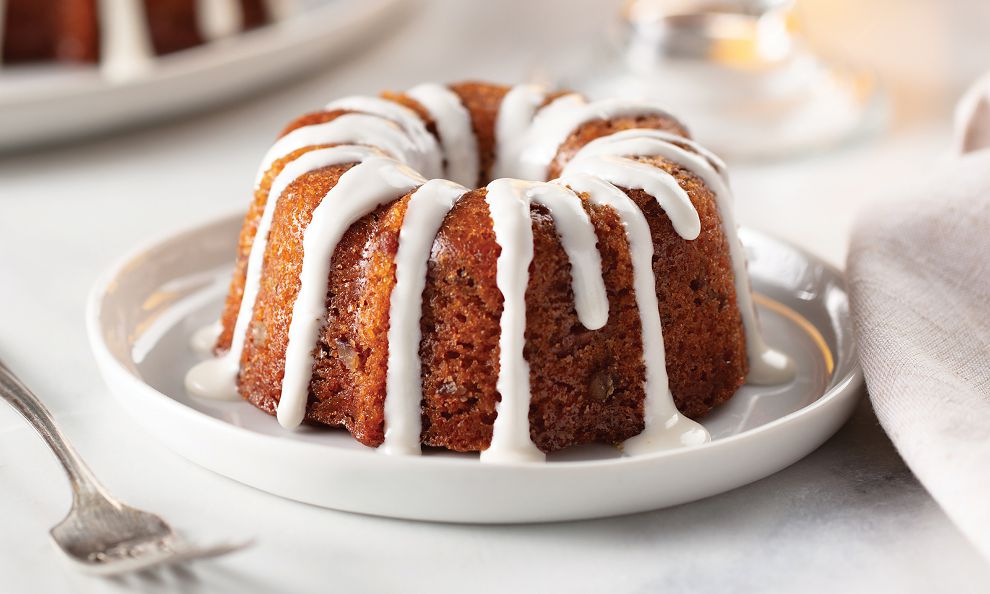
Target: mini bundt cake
{"type": "Point", "coordinates": [115, 31]}
{"type": "Point", "coordinates": [514, 319]}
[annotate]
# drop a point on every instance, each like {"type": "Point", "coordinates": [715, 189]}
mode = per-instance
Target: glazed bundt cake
{"type": "Point", "coordinates": [514, 319]}
{"type": "Point", "coordinates": [117, 32]}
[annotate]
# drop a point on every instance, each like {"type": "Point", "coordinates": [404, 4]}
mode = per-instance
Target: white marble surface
{"type": "Point", "coordinates": [850, 517]}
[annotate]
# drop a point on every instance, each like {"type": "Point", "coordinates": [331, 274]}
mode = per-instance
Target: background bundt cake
{"type": "Point", "coordinates": [514, 319]}
{"type": "Point", "coordinates": [80, 30]}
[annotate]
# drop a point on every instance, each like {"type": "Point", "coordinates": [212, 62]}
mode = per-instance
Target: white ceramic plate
{"type": "Point", "coordinates": [41, 104]}
{"type": "Point", "coordinates": [142, 313]}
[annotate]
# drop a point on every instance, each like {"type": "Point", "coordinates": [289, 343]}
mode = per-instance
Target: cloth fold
{"type": "Point", "coordinates": [919, 279]}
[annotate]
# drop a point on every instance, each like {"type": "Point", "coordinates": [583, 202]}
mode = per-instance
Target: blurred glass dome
{"type": "Point", "coordinates": [737, 72]}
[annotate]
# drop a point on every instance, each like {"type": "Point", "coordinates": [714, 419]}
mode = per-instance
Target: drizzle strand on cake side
{"type": "Point", "coordinates": [609, 304]}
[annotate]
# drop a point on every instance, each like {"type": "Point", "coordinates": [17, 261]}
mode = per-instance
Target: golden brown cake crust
{"type": "Point", "coordinates": [587, 385]}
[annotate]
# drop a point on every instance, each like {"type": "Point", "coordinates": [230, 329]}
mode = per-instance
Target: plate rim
{"type": "Point", "coordinates": [841, 387]}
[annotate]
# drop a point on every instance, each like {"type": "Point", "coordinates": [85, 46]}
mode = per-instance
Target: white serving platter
{"type": "Point", "coordinates": [143, 312]}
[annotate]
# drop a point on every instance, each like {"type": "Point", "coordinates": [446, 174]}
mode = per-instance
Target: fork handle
{"type": "Point", "coordinates": [13, 390]}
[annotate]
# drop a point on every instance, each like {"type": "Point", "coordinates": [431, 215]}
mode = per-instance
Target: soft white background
{"type": "Point", "coordinates": [848, 518]}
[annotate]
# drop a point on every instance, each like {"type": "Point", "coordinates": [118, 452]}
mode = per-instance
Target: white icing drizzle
{"type": "Point", "coordinates": [515, 115]}
{"type": "Point", "coordinates": [603, 146]}
{"type": "Point", "coordinates": [641, 176]}
{"type": "Point", "coordinates": [509, 211]}
{"type": "Point", "coordinates": [428, 149]}
{"type": "Point", "coordinates": [403, 384]}
{"type": "Point", "coordinates": [665, 426]}
{"type": "Point", "coordinates": [528, 136]}
{"type": "Point", "coordinates": [125, 39]}
{"type": "Point", "coordinates": [218, 19]}
{"type": "Point", "coordinates": [509, 207]}
{"type": "Point", "coordinates": [766, 366]}
{"type": "Point", "coordinates": [217, 378]}
{"type": "Point", "coordinates": [457, 137]}
{"type": "Point", "coordinates": [351, 128]}
{"type": "Point", "coordinates": [360, 190]}
{"type": "Point", "coordinates": [577, 237]}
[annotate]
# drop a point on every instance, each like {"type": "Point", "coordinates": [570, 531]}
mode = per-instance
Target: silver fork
{"type": "Point", "coordinates": [100, 534]}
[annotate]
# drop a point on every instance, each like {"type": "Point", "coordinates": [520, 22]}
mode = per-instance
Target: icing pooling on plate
{"type": "Point", "coordinates": [529, 131]}
{"type": "Point", "coordinates": [203, 340]}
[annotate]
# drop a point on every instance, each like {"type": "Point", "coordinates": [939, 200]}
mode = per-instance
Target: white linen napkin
{"type": "Point", "coordinates": [919, 279]}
